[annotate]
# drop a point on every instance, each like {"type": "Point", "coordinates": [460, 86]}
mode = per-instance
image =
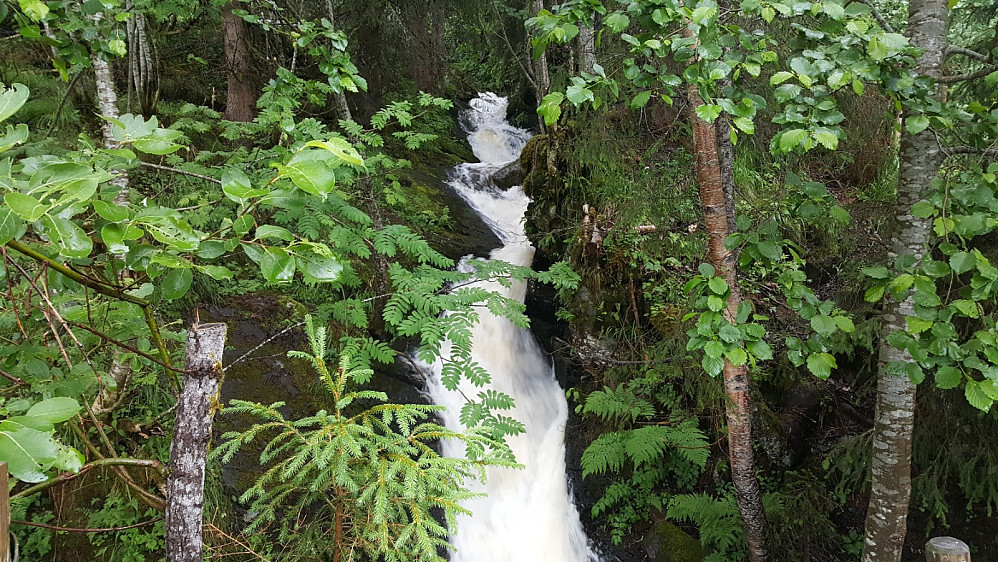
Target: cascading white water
{"type": "Point", "coordinates": [528, 514]}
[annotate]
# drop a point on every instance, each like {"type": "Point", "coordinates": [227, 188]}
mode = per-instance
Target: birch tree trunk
{"type": "Point", "coordinates": [920, 159]}
{"type": "Point", "coordinates": [339, 98]}
{"type": "Point", "coordinates": [142, 65]}
{"type": "Point", "coordinates": [738, 408]}
{"type": "Point", "coordinates": [189, 448]}
{"type": "Point", "coordinates": [240, 101]}
{"type": "Point", "coordinates": [587, 47]}
{"type": "Point", "coordinates": [107, 103]}
{"type": "Point", "coordinates": [540, 66]}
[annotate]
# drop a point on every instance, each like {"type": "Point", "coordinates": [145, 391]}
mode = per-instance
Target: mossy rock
{"type": "Point", "coordinates": [668, 543]}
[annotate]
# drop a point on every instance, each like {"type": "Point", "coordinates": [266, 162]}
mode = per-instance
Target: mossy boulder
{"type": "Point", "coordinates": [666, 542]}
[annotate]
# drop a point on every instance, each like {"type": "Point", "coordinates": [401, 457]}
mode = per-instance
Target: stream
{"type": "Point", "coordinates": [528, 514]}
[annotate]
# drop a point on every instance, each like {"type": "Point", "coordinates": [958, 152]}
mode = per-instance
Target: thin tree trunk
{"type": "Point", "coordinates": [587, 47]}
{"type": "Point", "coordinates": [240, 104]}
{"type": "Point", "coordinates": [189, 448]}
{"type": "Point", "coordinates": [107, 102]}
{"type": "Point", "coordinates": [540, 66]}
{"type": "Point", "coordinates": [142, 67]}
{"type": "Point", "coordinates": [920, 159]}
{"type": "Point", "coordinates": [339, 98]}
{"type": "Point", "coordinates": [736, 385]}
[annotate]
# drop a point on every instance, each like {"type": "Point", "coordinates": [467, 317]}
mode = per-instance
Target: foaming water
{"type": "Point", "coordinates": [528, 514]}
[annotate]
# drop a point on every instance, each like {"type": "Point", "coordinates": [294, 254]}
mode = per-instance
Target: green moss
{"type": "Point", "coordinates": [668, 543]}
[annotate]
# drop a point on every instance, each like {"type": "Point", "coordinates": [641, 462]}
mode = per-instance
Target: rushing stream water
{"type": "Point", "coordinates": [528, 514]}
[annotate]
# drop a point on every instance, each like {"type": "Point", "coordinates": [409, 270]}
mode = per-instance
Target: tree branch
{"type": "Point", "coordinates": [967, 76]}
{"type": "Point", "coordinates": [181, 172]}
{"type": "Point", "coordinates": [87, 530]}
{"type": "Point", "coordinates": [876, 14]}
{"type": "Point", "coordinates": [951, 51]}
{"type": "Point", "coordinates": [954, 150]}
{"type": "Point", "coordinates": [67, 476]}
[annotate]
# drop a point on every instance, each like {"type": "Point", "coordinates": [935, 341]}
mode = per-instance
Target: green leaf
{"type": "Point", "coordinates": [917, 325]}
{"type": "Point", "coordinates": [717, 286]}
{"type": "Point", "coordinates": [760, 349]}
{"type": "Point", "coordinates": [270, 231]}
{"type": "Point", "coordinates": [821, 365]}
{"type": "Point", "coordinates": [15, 136]}
{"type": "Point", "coordinates": [73, 242]}
{"type": "Point", "coordinates": [823, 324]}
{"type": "Point", "coordinates": [641, 99]}
{"type": "Point", "coordinates": [770, 250]}
{"type": "Point", "coordinates": [714, 349]}
{"type": "Point", "coordinates": [886, 44]}
{"type": "Point", "coordinates": [28, 452]}
{"type": "Point", "coordinates": [10, 225]}
{"type": "Point", "coordinates": [34, 9]}
{"type": "Point", "coordinates": [827, 138]}
{"type": "Point", "coordinates": [948, 377]}
{"type": "Point", "coordinates": [318, 267]}
{"type": "Point", "coordinates": [550, 108]}
{"type": "Point", "coordinates": [713, 365]}
{"type": "Point", "coordinates": [916, 124]}
{"type": "Point", "coordinates": [706, 270]}
{"type": "Point", "coordinates": [309, 171]}
{"type": "Point", "coordinates": [579, 94]}
{"type": "Point", "coordinates": [109, 212]}
{"type": "Point", "coordinates": [176, 283]}
{"type": "Point", "coordinates": [876, 272]}
{"type": "Point", "coordinates": [791, 139]}
{"type": "Point", "coordinates": [55, 410]}
{"type": "Point", "coordinates": [745, 124]}
{"type": "Point", "coordinates": [875, 293]}
{"type": "Point", "coordinates": [12, 99]}
{"type": "Point", "coordinates": [216, 272]}
{"type": "Point", "coordinates": [977, 397]}
{"type": "Point", "coordinates": [340, 148]}
{"type": "Point", "coordinates": [159, 142]}
{"type": "Point", "coordinates": [715, 303]}
{"type": "Point", "coordinates": [26, 206]}
{"type": "Point", "coordinates": [737, 356]}
{"type": "Point", "coordinates": [962, 262]}
{"type": "Point", "coordinates": [780, 77]}
{"type": "Point", "coordinates": [729, 333]}
{"type": "Point", "coordinates": [276, 265]}
{"type": "Point", "coordinates": [237, 186]}
{"type": "Point", "coordinates": [845, 324]}
{"type": "Point", "coordinates": [708, 112]}
{"type": "Point", "coordinates": [617, 22]}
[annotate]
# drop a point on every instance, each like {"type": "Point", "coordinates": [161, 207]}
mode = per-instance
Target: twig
{"type": "Point", "coordinates": [967, 76]}
{"type": "Point", "coordinates": [876, 14]}
{"type": "Point", "coordinates": [989, 152]}
{"type": "Point", "coordinates": [12, 378]}
{"type": "Point", "coordinates": [182, 172]}
{"type": "Point", "coordinates": [87, 530]}
{"type": "Point", "coordinates": [62, 103]}
{"type": "Point", "coordinates": [950, 51]}
{"type": "Point", "coordinates": [265, 342]}
{"type": "Point", "coordinates": [67, 476]}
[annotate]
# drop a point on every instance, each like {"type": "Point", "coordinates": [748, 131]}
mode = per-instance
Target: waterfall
{"type": "Point", "coordinates": [528, 514]}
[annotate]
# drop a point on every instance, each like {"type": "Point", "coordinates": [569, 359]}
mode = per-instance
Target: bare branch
{"type": "Point", "coordinates": [181, 172]}
{"type": "Point", "coordinates": [951, 51]}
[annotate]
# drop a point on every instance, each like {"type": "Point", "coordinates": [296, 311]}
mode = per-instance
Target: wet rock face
{"type": "Point", "coordinates": [510, 175]}
{"type": "Point", "coordinates": [666, 542]}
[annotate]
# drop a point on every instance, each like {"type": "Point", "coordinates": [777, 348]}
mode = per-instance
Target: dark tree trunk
{"type": "Point", "coordinates": [736, 385]}
{"type": "Point", "coordinates": [240, 104]}
{"type": "Point", "coordinates": [920, 159]}
{"type": "Point", "coordinates": [189, 448]}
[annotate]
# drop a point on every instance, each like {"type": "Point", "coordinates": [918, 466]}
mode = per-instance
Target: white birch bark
{"type": "Point", "coordinates": [189, 448]}
{"type": "Point", "coordinates": [920, 159]}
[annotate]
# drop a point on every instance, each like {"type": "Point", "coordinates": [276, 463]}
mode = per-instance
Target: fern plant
{"type": "Point", "coordinates": [373, 473]}
{"type": "Point", "coordinates": [647, 458]}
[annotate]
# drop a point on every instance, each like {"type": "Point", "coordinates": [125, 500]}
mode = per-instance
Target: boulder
{"type": "Point", "coordinates": [510, 175]}
{"type": "Point", "coordinates": [666, 542]}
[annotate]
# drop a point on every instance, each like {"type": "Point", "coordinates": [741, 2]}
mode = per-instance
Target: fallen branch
{"type": "Point", "coordinates": [85, 530]}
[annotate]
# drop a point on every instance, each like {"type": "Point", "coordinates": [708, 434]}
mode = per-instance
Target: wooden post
{"type": "Point", "coordinates": [4, 514]}
{"type": "Point", "coordinates": [947, 549]}
{"type": "Point", "coordinates": [189, 449]}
